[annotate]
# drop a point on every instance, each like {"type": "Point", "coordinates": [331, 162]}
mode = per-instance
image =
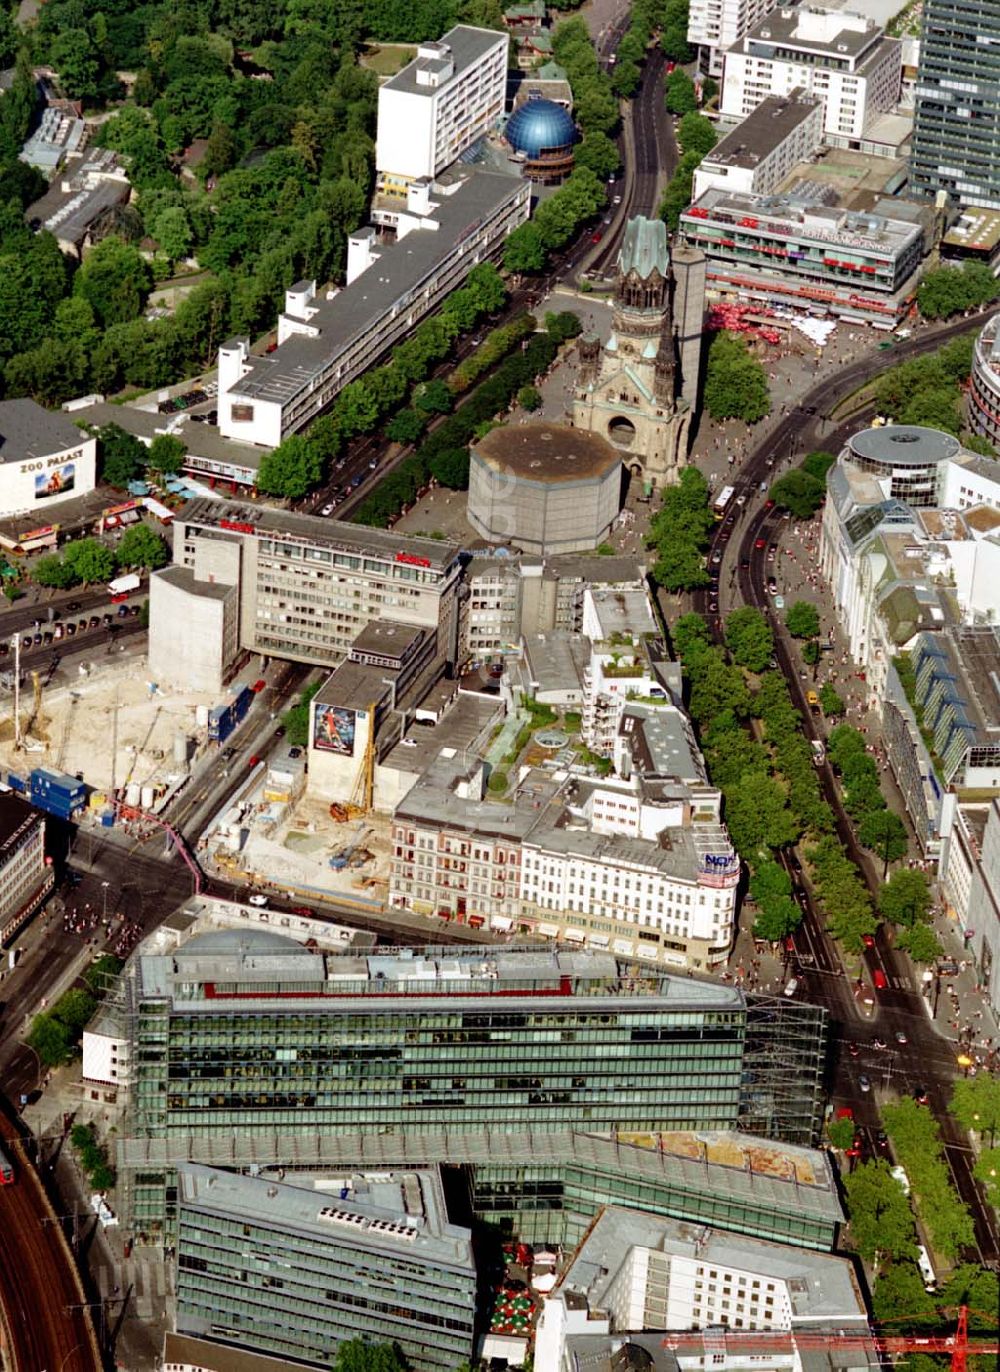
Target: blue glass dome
{"type": "Point", "coordinates": [540, 126]}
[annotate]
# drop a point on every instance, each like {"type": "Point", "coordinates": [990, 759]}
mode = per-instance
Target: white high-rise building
{"type": "Point", "coordinates": [845, 59]}
{"type": "Point", "coordinates": [715, 25]}
{"type": "Point", "coordinates": [438, 105]}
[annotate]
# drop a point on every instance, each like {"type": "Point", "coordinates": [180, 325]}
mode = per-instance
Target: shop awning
{"type": "Point", "coordinates": [549, 930]}
{"type": "Point", "coordinates": [502, 923]}
{"type": "Point", "coordinates": [574, 935]}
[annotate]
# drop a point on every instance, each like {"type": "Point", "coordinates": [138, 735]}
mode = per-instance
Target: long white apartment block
{"type": "Point", "coordinates": [327, 339]}
{"type": "Point", "coordinates": [845, 59]}
{"type": "Point", "coordinates": [438, 105]}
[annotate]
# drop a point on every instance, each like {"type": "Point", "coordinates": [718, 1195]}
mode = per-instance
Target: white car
{"type": "Point", "coordinates": [327, 510]}
{"type": "Point", "coordinates": [257, 900]}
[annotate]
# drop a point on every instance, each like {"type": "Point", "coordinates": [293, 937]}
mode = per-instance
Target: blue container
{"type": "Point", "coordinates": [107, 819]}
{"type": "Point", "coordinates": [241, 705]}
{"type": "Point", "coordinates": [17, 783]}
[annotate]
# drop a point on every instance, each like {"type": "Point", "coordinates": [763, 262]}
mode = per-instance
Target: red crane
{"type": "Point", "coordinates": [856, 1339]}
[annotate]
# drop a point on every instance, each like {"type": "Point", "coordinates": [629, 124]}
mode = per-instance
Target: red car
{"type": "Point", "coordinates": [878, 976]}
{"type": "Point", "coordinates": [867, 940]}
{"type": "Point", "coordinates": [761, 543]}
{"type": "Point", "coordinates": [845, 1113]}
{"type": "Point", "coordinates": [258, 685]}
{"type": "Point", "coordinates": [596, 237]}
{"type": "Point", "coordinates": [254, 759]}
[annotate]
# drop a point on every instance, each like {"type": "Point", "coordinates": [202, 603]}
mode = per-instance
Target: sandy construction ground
{"type": "Point", "coordinates": [74, 728]}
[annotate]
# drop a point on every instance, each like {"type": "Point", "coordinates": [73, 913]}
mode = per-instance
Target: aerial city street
{"type": "Point", "coordinates": [500, 686]}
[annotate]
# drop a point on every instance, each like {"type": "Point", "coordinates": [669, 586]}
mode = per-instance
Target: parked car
{"type": "Point", "coordinates": [878, 977]}
{"type": "Point", "coordinates": [865, 1084]}
{"type": "Point", "coordinates": [258, 685]}
{"type": "Point", "coordinates": [257, 900]}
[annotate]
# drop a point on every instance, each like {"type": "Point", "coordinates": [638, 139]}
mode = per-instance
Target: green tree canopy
{"type": "Point", "coordinates": [975, 1103]}
{"type": "Point", "coordinates": [52, 571]}
{"type": "Point", "coordinates": [905, 898]}
{"type": "Point", "coordinates": [802, 619]}
{"type": "Point", "coordinates": [291, 469]}
{"type": "Point", "coordinates": [831, 703]}
{"type": "Point", "coordinates": [679, 92]}
{"type": "Point", "coordinates": [880, 1218]}
{"type": "Point", "coordinates": [166, 455]}
{"type": "Point", "coordinates": [114, 280]}
{"type": "Point", "coordinates": [524, 251]}
{"type": "Point", "coordinates": [679, 531]}
{"type": "Point", "coordinates": [51, 1040]}
{"type": "Point", "coordinates": [950, 290]}
{"type": "Point", "coordinates": [798, 492]}
{"type": "Point", "coordinates": [697, 134]}
{"type": "Point", "coordinates": [749, 638]}
{"type": "Point", "coordinates": [90, 560]}
{"type": "Point", "coordinates": [122, 456]}
{"type": "Point", "coordinates": [735, 382]}
{"type": "Point", "coordinates": [884, 833]}
{"type": "Point", "coordinates": [356, 1355]}
{"type": "Point", "coordinates": [141, 547]}
{"type": "Point", "coordinates": [921, 943]}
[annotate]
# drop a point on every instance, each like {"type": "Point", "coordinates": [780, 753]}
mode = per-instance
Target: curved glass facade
{"type": "Point", "coordinates": [984, 391]}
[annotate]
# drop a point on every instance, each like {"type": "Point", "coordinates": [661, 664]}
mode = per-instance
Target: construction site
{"type": "Point", "coordinates": [111, 724]}
{"type": "Point", "coordinates": [273, 832]}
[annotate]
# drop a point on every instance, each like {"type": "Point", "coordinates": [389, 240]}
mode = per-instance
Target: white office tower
{"type": "Point", "coordinates": [844, 59]}
{"type": "Point", "coordinates": [438, 105]}
{"type": "Point", "coordinates": [715, 25]}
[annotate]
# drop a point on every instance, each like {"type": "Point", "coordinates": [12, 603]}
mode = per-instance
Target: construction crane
{"type": "Point", "coordinates": [364, 787]}
{"type": "Point", "coordinates": [870, 1343]}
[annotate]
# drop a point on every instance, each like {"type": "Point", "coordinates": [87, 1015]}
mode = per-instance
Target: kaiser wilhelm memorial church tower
{"type": "Point", "coordinates": [640, 389]}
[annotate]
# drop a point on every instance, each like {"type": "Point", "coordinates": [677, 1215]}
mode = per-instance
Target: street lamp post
{"type": "Point", "coordinates": [104, 888]}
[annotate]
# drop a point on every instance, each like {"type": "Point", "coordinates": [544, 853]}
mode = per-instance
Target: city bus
{"type": "Point", "coordinates": [723, 499]}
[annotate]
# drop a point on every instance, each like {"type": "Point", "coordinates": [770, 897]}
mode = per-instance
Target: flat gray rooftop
{"type": "Point", "coordinates": [467, 45]}
{"type": "Point", "coordinates": [264, 521]}
{"type": "Point", "coordinates": [904, 445]}
{"type": "Point", "coordinates": [781, 29]}
{"type": "Point", "coordinates": [201, 439]}
{"type": "Point", "coordinates": [662, 744]}
{"type": "Point", "coordinates": [401, 1215]}
{"type": "Point", "coordinates": [820, 1286]}
{"type": "Point", "coordinates": [774, 120]}
{"type": "Point", "coordinates": [821, 222]}
{"type": "Point", "coordinates": [388, 637]}
{"type": "Point", "coordinates": [186, 1350]}
{"type": "Point", "coordinates": [737, 1166]}
{"type": "Point", "coordinates": [383, 981]}
{"type": "Point", "coordinates": [29, 431]}
{"type": "Point", "coordinates": [555, 660]}
{"type": "Point", "coordinates": [185, 579]}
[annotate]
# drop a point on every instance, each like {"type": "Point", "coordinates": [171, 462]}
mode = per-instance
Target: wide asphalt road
{"type": "Point", "coordinates": [925, 1059]}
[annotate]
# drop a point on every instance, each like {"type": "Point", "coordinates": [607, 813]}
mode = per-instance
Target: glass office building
{"type": "Point", "coordinates": [956, 135]}
{"type": "Point", "coordinates": [252, 1033]}
{"type": "Point", "coordinates": [291, 1271]}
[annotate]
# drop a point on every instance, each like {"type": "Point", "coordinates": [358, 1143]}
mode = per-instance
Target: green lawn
{"type": "Point", "coordinates": [386, 59]}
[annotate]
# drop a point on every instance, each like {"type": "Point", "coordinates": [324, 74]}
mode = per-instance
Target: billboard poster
{"type": "Point", "coordinates": [333, 729]}
{"type": "Point", "coordinates": [58, 481]}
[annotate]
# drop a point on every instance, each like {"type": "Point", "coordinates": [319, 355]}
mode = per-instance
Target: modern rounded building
{"type": "Point", "coordinates": [984, 390]}
{"type": "Point", "coordinates": [546, 488]}
{"type": "Point", "coordinates": [907, 456]}
{"type": "Point", "coordinates": [542, 133]}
